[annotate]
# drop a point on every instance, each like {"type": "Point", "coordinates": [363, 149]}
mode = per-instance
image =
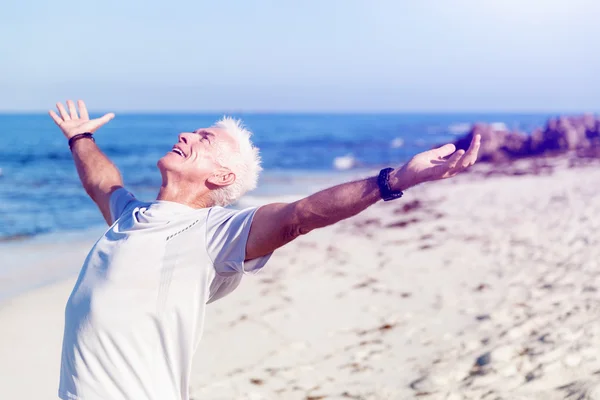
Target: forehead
{"type": "Point", "coordinates": [219, 134]}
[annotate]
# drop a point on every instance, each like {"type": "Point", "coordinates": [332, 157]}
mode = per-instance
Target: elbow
{"type": "Point", "coordinates": [298, 224]}
{"type": "Point", "coordinates": [291, 233]}
{"type": "Point", "coordinates": [91, 191]}
{"type": "Point", "coordinates": [296, 230]}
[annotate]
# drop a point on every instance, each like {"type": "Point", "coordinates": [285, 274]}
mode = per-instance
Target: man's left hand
{"type": "Point", "coordinates": [441, 163]}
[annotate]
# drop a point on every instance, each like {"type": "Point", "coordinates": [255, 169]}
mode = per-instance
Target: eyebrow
{"type": "Point", "coordinates": [202, 131]}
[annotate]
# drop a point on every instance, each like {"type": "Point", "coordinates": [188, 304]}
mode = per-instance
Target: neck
{"type": "Point", "coordinates": [187, 197]}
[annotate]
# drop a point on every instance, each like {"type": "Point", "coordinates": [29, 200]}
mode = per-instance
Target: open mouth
{"type": "Point", "coordinates": [178, 151]}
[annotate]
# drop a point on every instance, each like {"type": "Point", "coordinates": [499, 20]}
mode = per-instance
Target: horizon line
{"type": "Point", "coordinates": [318, 112]}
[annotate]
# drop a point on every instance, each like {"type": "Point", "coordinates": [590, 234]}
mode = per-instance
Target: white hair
{"type": "Point", "coordinates": [244, 162]}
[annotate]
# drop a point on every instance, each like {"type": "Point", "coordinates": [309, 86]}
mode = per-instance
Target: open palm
{"type": "Point", "coordinates": [71, 123]}
{"type": "Point", "coordinates": [443, 162]}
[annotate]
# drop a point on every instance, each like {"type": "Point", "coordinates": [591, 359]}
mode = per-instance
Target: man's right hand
{"type": "Point", "coordinates": [71, 124]}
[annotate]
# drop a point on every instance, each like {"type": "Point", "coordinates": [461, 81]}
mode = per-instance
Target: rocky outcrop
{"type": "Point", "coordinates": [580, 134]}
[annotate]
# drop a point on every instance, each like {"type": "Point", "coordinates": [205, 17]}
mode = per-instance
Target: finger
{"type": "Point", "coordinates": [453, 160]}
{"type": "Point", "coordinates": [72, 109]}
{"type": "Point", "coordinates": [471, 154]}
{"type": "Point", "coordinates": [98, 122]}
{"type": "Point", "coordinates": [444, 151]}
{"type": "Point", "coordinates": [83, 112]}
{"type": "Point", "coordinates": [63, 113]}
{"type": "Point", "coordinates": [57, 120]}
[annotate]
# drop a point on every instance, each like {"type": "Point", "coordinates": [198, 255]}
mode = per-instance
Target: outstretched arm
{"type": "Point", "coordinates": [99, 176]}
{"type": "Point", "coordinates": [276, 224]}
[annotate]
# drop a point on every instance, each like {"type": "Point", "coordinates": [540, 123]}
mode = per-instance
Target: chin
{"type": "Point", "coordinates": [166, 163]}
{"type": "Point", "coordinates": [171, 165]}
{"type": "Point", "coordinates": [161, 163]}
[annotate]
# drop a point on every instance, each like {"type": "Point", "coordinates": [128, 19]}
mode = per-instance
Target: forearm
{"type": "Point", "coordinates": [277, 224]}
{"type": "Point", "coordinates": [335, 204]}
{"type": "Point", "coordinates": [97, 173]}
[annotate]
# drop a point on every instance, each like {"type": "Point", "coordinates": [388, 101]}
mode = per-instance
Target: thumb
{"type": "Point", "coordinates": [105, 118]}
{"type": "Point", "coordinates": [98, 122]}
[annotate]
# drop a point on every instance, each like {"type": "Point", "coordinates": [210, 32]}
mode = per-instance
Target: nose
{"type": "Point", "coordinates": [185, 137]}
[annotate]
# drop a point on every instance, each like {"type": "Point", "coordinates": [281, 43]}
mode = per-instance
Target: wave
{"type": "Point", "coordinates": [499, 126]}
{"type": "Point", "coordinates": [44, 154]}
{"type": "Point", "coordinates": [18, 236]}
{"type": "Point", "coordinates": [397, 143]}
{"type": "Point", "coordinates": [459, 129]}
{"type": "Point", "coordinates": [344, 162]}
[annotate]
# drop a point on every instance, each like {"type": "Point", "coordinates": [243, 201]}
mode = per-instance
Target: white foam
{"type": "Point", "coordinates": [397, 143]}
{"type": "Point", "coordinates": [344, 162]}
{"type": "Point", "coordinates": [459, 129]}
{"type": "Point", "coordinates": [499, 126]}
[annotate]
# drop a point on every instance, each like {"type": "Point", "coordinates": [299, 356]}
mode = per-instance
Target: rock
{"type": "Point", "coordinates": [491, 142]}
{"type": "Point", "coordinates": [561, 134]}
{"type": "Point", "coordinates": [529, 377]}
{"type": "Point", "coordinates": [483, 359]}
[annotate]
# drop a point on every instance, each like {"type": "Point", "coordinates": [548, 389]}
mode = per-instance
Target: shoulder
{"type": "Point", "coordinates": [218, 214]}
{"type": "Point", "coordinates": [119, 200]}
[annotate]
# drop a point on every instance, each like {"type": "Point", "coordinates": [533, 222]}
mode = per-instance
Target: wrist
{"type": "Point", "coordinates": [86, 136]}
{"type": "Point", "coordinates": [401, 179]}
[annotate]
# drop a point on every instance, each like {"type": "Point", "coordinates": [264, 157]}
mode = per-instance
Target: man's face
{"type": "Point", "coordinates": [195, 156]}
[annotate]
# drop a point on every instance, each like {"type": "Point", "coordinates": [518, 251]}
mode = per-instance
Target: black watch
{"type": "Point", "coordinates": [383, 181]}
{"type": "Point", "coordinates": [85, 135]}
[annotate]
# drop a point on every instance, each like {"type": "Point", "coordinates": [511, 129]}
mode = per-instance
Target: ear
{"type": "Point", "coordinates": [222, 178]}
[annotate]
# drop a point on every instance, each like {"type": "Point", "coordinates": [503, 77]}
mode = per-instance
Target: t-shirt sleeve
{"type": "Point", "coordinates": [119, 200]}
{"type": "Point", "coordinates": [227, 233]}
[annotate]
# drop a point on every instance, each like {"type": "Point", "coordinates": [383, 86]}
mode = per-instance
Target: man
{"type": "Point", "coordinates": [135, 316]}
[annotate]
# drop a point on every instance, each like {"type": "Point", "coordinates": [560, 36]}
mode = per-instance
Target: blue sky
{"type": "Point", "coordinates": [420, 55]}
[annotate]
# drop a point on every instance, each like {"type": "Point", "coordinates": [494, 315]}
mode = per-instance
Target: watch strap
{"type": "Point", "coordinates": [85, 135]}
{"type": "Point", "coordinates": [383, 181]}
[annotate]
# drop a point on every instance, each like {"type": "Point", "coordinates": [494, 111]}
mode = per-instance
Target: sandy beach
{"type": "Point", "coordinates": [482, 287]}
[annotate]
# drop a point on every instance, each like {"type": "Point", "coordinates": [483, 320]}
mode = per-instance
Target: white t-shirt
{"type": "Point", "coordinates": [135, 316]}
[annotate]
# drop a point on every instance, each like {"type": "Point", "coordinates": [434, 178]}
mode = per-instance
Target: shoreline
{"type": "Point", "coordinates": [44, 260]}
{"type": "Point", "coordinates": [273, 185]}
{"type": "Point", "coordinates": [27, 257]}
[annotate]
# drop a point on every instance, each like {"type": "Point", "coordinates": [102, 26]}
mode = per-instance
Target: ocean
{"type": "Point", "coordinates": [40, 192]}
